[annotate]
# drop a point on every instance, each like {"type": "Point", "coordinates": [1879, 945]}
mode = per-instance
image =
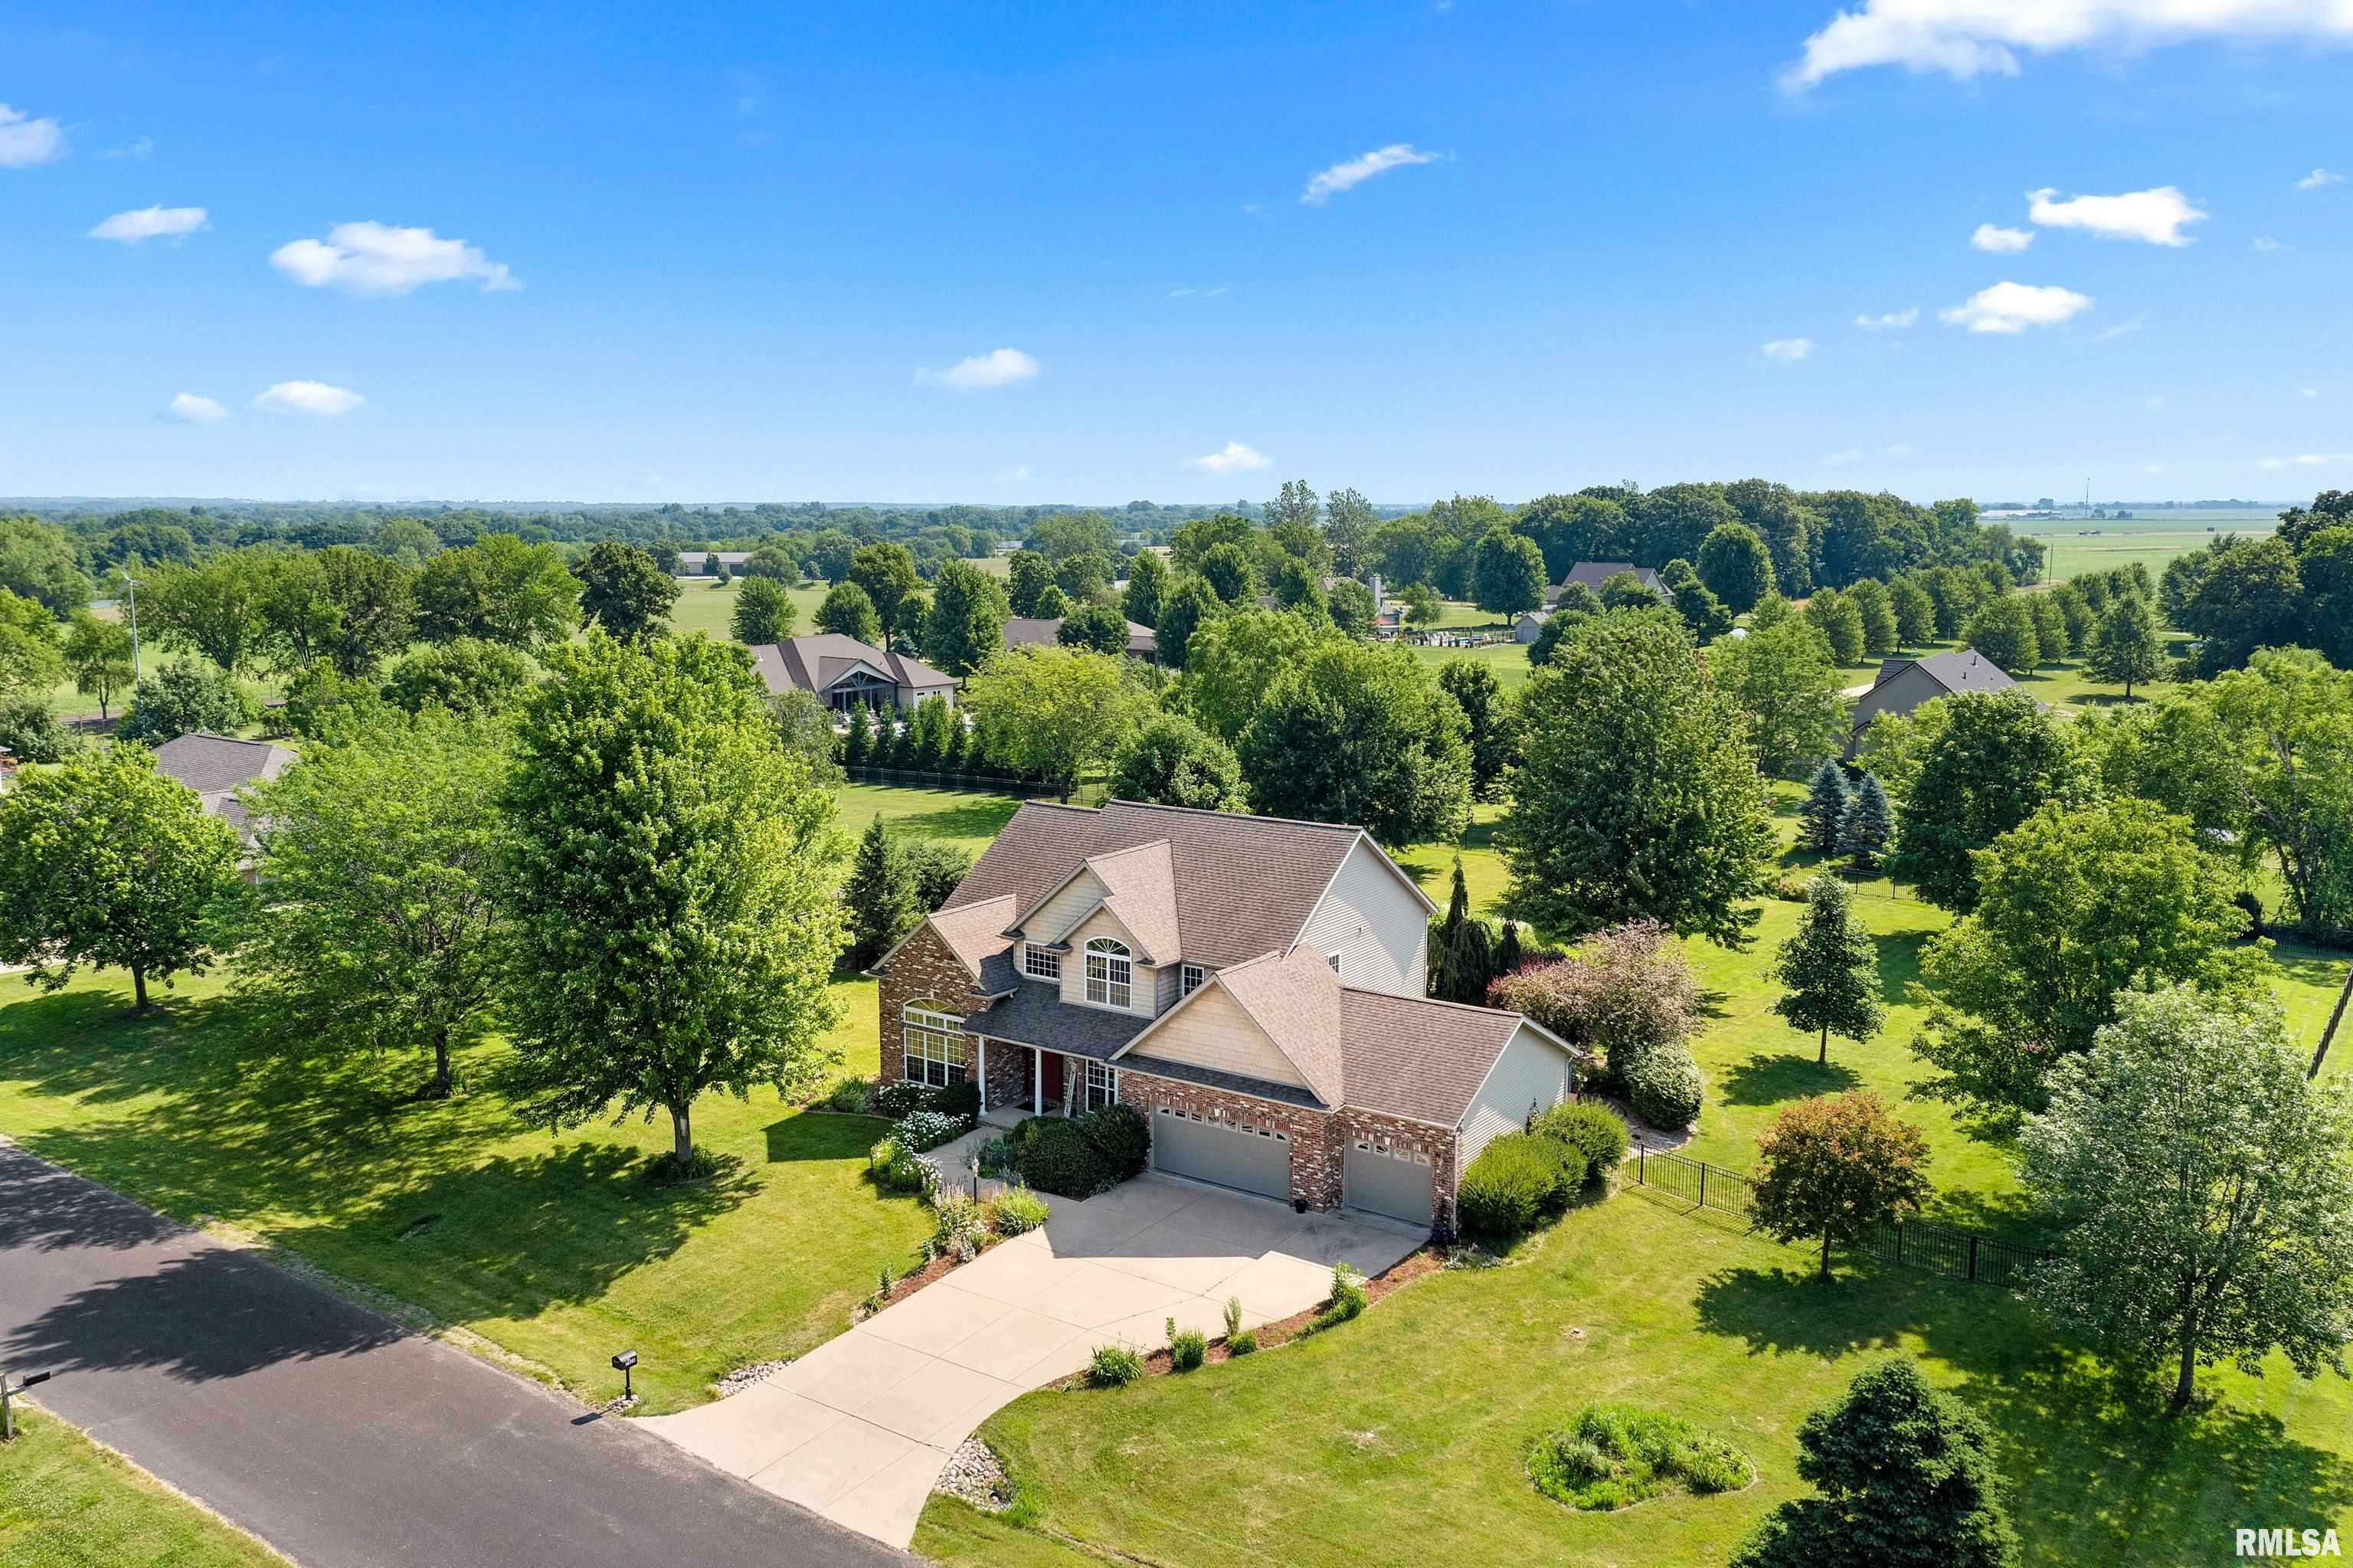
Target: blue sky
{"type": "Point", "coordinates": [739, 253]}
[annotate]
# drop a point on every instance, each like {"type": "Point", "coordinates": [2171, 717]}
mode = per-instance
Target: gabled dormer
{"type": "Point", "coordinates": [1108, 935]}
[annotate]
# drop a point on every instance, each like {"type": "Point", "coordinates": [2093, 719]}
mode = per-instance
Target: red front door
{"type": "Point", "coordinates": [1053, 1081]}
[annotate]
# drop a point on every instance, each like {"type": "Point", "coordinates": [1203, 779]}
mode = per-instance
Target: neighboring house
{"type": "Point", "coordinates": [1530, 624]}
{"type": "Point", "coordinates": [697, 563]}
{"type": "Point", "coordinates": [1253, 986]}
{"type": "Point", "coordinates": [843, 672]}
{"type": "Point", "coordinates": [1025, 632]}
{"type": "Point", "coordinates": [215, 766]}
{"type": "Point", "coordinates": [1593, 573]}
{"type": "Point", "coordinates": [1905, 684]}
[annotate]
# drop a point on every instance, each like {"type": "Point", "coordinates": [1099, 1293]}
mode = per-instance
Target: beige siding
{"type": "Point", "coordinates": [1214, 1032]}
{"type": "Point", "coordinates": [1377, 925]}
{"type": "Point", "coordinates": [1143, 991]}
{"type": "Point", "coordinates": [1532, 1075]}
{"type": "Point", "coordinates": [1051, 919]}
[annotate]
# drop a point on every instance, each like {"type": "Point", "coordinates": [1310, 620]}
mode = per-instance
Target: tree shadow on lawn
{"type": "Point", "coordinates": [822, 1135]}
{"type": "Point", "coordinates": [2099, 1459]}
{"type": "Point", "coordinates": [1771, 1079]}
{"type": "Point", "coordinates": [1898, 953]}
{"type": "Point", "coordinates": [973, 817]}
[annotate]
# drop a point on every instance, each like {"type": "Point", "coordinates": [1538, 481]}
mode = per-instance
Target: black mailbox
{"type": "Point", "coordinates": [624, 1361]}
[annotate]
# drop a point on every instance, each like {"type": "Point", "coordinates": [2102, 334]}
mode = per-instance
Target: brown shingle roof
{"type": "Point", "coordinates": [816, 663]}
{"type": "Point", "coordinates": [976, 932]}
{"type": "Point", "coordinates": [1297, 1001]}
{"type": "Point", "coordinates": [1409, 1056]}
{"type": "Point", "coordinates": [1243, 885]}
{"type": "Point", "coordinates": [214, 766]}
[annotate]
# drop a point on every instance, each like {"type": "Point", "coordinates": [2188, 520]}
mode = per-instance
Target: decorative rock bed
{"type": "Point", "coordinates": [745, 1377]}
{"type": "Point", "coordinates": [973, 1475]}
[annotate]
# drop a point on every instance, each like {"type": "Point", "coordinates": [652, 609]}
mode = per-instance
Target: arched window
{"type": "Point", "coordinates": [935, 1044]}
{"type": "Point", "coordinates": [1111, 973]}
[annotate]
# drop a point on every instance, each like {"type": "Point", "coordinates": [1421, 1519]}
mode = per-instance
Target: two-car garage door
{"type": "Point", "coordinates": [1384, 1179]}
{"type": "Point", "coordinates": [1251, 1158]}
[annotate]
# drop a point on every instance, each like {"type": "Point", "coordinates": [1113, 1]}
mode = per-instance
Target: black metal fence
{"type": "Point", "coordinates": [1915, 1244]}
{"type": "Point", "coordinates": [1087, 794]}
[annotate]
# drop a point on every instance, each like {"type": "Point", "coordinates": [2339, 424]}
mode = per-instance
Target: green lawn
{"type": "Point", "coordinates": [66, 1502]}
{"type": "Point", "coordinates": [704, 604]}
{"type": "Point", "coordinates": [1508, 660]}
{"type": "Point", "coordinates": [551, 1246]}
{"type": "Point", "coordinates": [970, 821]}
{"type": "Point", "coordinates": [1405, 1433]}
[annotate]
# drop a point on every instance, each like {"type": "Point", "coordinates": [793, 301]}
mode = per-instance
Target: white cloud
{"type": "Point", "coordinates": [1842, 459]}
{"type": "Point", "coordinates": [1892, 321]}
{"type": "Point", "coordinates": [1233, 457]}
{"type": "Point", "coordinates": [377, 259]}
{"type": "Point", "coordinates": [1788, 349]}
{"type": "Point", "coordinates": [191, 410]}
{"type": "Point", "coordinates": [2305, 460]}
{"type": "Point", "coordinates": [997, 368]}
{"type": "Point", "coordinates": [2154, 400]}
{"type": "Point", "coordinates": [2307, 391]}
{"type": "Point", "coordinates": [2265, 242]}
{"type": "Point", "coordinates": [1354, 172]}
{"type": "Point", "coordinates": [1994, 237]}
{"type": "Point", "coordinates": [1195, 293]}
{"type": "Point", "coordinates": [1965, 38]}
{"type": "Point", "coordinates": [2014, 307]}
{"type": "Point", "coordinates": [24, 142]}
{"type": "Point", "coordinates": [314, 398]}
{"type": "Point", "coordinates": [2125, 328]}
{"type": "Point", "coordinates": [151, 223]}
{"type": "Point", "coordinates": [2319, 177]}
{"type": "Point", "coordinates": [139, 149]}
{"type": "Point", "coordinates": [2154, 216]}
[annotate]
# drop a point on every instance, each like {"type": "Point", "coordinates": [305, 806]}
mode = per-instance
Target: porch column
{"type": "Point", "coordinates": [980, 1069]}
{"type": "Point", "coordinates": [1037, 1081]}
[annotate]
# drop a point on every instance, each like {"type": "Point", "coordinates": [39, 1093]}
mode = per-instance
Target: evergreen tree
{"type": "Point", "coordinates": [880, 897]}
{"type": "Point", "coordinates": [1461, 962]}
{"type": "Point", "coordinates": [956, 756]}
{"type": "Point", "coordinates": [1909, 1479]}
{"type": "Point", "coordinates": [1825, 809]}
{"type": "Point", "coordinates": [858, 747]}
{"type": "Point", "coordinates": [1509, 953]}
{"type": "Point", "coordinates": [1830, 968]}
{"type": "Point", "coordinates": [1868, 827]}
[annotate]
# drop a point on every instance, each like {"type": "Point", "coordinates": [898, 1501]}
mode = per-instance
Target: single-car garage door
{"type": "Point", "coordinates": [1250, 1158]}
{"type": "Point", "coordinates": [1386, 1180]}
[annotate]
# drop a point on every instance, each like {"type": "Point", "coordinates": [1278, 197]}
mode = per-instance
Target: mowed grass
{"type": "Point", "coordinates": [708, 605]}
{"type": "Point", "coordinates": [67, 1502]}
{"type": "Point", "coordinates": [1404, 1434]}
{"type": "Point", "coordinates": [552, 1245]}
{"type": "Point", "coordinates": [969, 821]}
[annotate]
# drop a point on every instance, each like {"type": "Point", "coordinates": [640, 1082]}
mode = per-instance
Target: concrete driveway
{"type": "Point", "coordinates": [859, 1428]}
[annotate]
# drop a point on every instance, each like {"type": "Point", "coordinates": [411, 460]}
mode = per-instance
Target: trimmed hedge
{"type": "Point", "coordinates": [1060, 1157]}
{"type": "Point", "coordinates": [1663, 1087]}
{"type": "Point", "coordinates": [1593, 1130]}
{"type": "Point", "coordinates": [1122, 1136]}
{"type": "Point", "coordinates": [1516, 1180]}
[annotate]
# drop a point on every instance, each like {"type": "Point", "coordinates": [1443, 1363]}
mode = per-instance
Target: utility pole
{"type": "Point", "coordinates": [132, 584]}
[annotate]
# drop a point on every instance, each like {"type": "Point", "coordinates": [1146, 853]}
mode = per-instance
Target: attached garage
{"type": "Point", "coordinates": [1246, 1157]}
{"type": "Point", "coordinates": [1385, 1179]}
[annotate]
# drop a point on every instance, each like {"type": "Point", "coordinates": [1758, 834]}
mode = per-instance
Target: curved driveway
{"type": "Point", "coordinates": [343, 1439]}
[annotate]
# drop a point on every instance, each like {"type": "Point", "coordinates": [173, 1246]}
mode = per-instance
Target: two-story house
{"type": "Point", "coordinates": [1254, 986]}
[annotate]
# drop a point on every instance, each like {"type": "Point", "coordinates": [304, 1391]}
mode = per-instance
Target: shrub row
{"type": "Point", "coordinates": [1084, 1155]}
{"type": "Point", "coordinates": [1516, 1180]}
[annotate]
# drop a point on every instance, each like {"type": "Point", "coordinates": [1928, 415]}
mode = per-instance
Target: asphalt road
{"type": "Point", "coordinates": [343, 1439]}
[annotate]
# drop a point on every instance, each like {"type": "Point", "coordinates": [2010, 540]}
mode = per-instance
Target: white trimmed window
{"type": "Point", "coordinates": [936, 1045]}
{"type": "Point", "coordinates": [1333, 958]}
{"type": "Point", "coordinates": [1039, 964]}
{"type": "Point", "coordinates": [1111, 973]}
{"type": "Point", "coordinates": [1101, 1086]}
{"type": "Point", "coordinates": [1190, 978]}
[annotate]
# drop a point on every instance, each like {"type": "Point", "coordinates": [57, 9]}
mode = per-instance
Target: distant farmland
{"type": "Point", "coordinates": [2094, 545]}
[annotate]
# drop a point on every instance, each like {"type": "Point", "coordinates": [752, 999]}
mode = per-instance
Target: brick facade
{"type": "Point", "coordinates": [1009, 1075]}
{"type": "Point", "coordinates": [1315, 1158]}
{"type": "Point", "coordinates": [925, 969]}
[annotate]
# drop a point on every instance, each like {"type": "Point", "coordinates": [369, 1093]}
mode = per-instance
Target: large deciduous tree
{"type": "Point", "coordinates": [1190, 604]}
{"type": "Point", "coordinates": [848, 611]}
{"type": "Point", "coordinates": [497, 589]}
{"type": "Point", "coordinates": [1736, 566]}
{"type": "Point", "coordinates": [887, 572]}
{"type": "Point", "coordinates": [1787, 687]}
{"type": "Point", "coordinates": [967, 621]}
{"type": "Point", "coordinates": [180, 699]}
{"type": "Point", "coordinates": [624, 590]}
{"type": "Point", "coordinates": [1508, 574]}
{"type": "Point", "coordinates": [97, 653]}
{"type": "Point", "coordinates": [1636, 794]}
{"type": "Point", "coordinates": [1357, 734]}
{"type": "Point", "coordinates": [379, 872]}
{"type": "Point", "coordinates": [2204, 1188]}
{"type": "Point", "coordinates": [2076, 907]}
{"type": "Point", "coordinates": [1837, 1168]}
{"type": "Point", "coordinates": [214, 608]}
{"type": "Point", "coordinates": [1147, 589]}
{"type": "Point", "coordinates": [2287, 722]}
{"type": "Point", "coordinates": [1169, 761]}
{"type": "Point", "coordinates": [30, 659]}
{"type": "Point", "coordinates": [1830, 969]}
{"type": "Point", "coordinates": [670, 875]}
{"type": "Point", "coordinates": [1232, 660]}
{"type": "Point", "coordinates": [1908, 1478]}
{"type": "Point", "coordinates": [1991, 760]}
{"type": "Point", "coordinates": [1056, 713]}
{"type": "Point", "coordinates": [105, 862]}
{"type": "Point", "coordinates": [2125, 646]}
{"type": "Point", "coordinates": [1494, 717]}
{"type": "Point", "coordinates": [764, 613]}
{"type": "Point", "coordinates": [1096, 628]}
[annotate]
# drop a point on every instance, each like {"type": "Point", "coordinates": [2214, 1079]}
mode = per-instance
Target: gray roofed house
{"type": "Point", "coordinates": [1024, 631]}
{"type": "Point", "coordinates": [1254, 986]}
{"type": "Point", "coordinates": [1593, 573]}
{"type": "Point", "coordinates": [216, 765]}
{"type": "Point", "coordinates": [1905, 684]}
{"type": "Point", "coordinates": [696, 563]}
{"type": "Point", "coordinates": [843, 672]}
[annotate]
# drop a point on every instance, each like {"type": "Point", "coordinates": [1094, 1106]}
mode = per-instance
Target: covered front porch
{"type": "Point", "coordinates": [1018, 1081]}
